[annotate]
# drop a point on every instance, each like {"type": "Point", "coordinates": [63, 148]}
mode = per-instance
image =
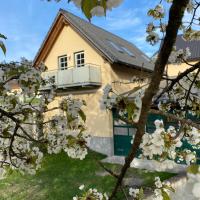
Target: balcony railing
{"type": "Point", "coordinates": [88, 75]}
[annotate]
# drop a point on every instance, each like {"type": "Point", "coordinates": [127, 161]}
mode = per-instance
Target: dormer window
{"type": "Point", "coordinates": [79, 59]}
{"type": "Point", "coordinates": [130, 53]}
{"type": "Point", "coordinates": [115, 46]}
{"type": "Point", "coordinates": [62, 62]}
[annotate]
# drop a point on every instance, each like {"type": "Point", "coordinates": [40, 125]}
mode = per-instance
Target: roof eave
{"type": "Point", "coordinates": [45, 39]}
{"type": "Point", "coordinates": [195, 59]}
{"type": "Point", "coordinates": [134, 66]}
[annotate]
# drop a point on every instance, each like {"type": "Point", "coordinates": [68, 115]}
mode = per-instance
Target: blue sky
{"type": "Point", "coordinates": [26, 22]}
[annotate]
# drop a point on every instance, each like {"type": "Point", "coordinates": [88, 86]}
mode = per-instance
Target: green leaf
{"type": "Point", "coordinates": [169, 188]}
{"type": "Point", "coordinates": [165, 195]}
{"type": "Point", "coordinates": [131, 108]}
{"type": "Point", "coordinates": [103, 4]}
{"type": "Point", "coordinates": [193, 169]}
{"type": "Point", "coordinates": [5, 132]}
{"type": "Point", "coordinates": [141, 194]}
{"type": "Point", "coordinates": [2, 46]}
{"type": "Point", "coordinates": [3, 36]}
{"type": "Point", "coordinates": [150, 12]}
{"type": "Point", "coordinates": [87, 6]}
{"type": "Point", "coordinates": [82, 115]}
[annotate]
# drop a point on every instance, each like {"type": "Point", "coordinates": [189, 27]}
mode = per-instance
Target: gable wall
{"type": "Point", "coordinates": [67, 43]}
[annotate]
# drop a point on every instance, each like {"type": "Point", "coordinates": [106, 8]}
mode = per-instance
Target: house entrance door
{"type": "Point", "coordinates": [123, 135]}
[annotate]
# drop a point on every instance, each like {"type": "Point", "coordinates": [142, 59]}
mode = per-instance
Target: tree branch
{"type": "Point", "coordinates": [175, 20]}
{"type": "Point", "coordinates": [108, 170]}
{"type": "Point", "coordinates": [174, 117]}
{"type": "Point", "coordinates": [176, 80]}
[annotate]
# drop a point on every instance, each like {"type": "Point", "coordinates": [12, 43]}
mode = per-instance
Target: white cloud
{"type": "Point", "coordinates": [121, 19]}
{"type": "Point", "coordinates": [123, 22]}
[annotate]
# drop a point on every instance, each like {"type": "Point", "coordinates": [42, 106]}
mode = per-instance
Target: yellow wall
{"type": "Point", "coordinates": [99, 122]}
{"type": "Point", "coordinates": [67, 43]}
{"type": "Point", "coordinates": [174, 69]}
{"type": "Point", "coordinates": [121, 75]}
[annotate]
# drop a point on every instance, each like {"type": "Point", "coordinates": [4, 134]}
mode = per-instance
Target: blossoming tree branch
{"type": "Point", "coordinates": [26, 134]}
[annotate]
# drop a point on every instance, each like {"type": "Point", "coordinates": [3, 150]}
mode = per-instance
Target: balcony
{"type": "Point", "coordinates": [87, 76]}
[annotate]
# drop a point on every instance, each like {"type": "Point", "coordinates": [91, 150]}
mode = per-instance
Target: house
{"type": "Point", "coordinates": [194, 46]}
{"type": "Point", "coordinates": [83, 58]}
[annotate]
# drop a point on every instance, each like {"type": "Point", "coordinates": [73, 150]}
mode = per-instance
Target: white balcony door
{"type": "Point", "coordinates": [79, 59]}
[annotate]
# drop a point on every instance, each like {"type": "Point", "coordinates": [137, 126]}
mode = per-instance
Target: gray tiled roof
{"type": "Point", "coordinates": [194, 47]}
{"type": "Point", "coordinates": [103, 40]}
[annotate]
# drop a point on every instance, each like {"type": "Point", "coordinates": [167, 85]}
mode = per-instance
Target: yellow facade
{"type": "Point", "coordinates": [99, 122]}
{"type": "Point", "coordinates": [174, 69]}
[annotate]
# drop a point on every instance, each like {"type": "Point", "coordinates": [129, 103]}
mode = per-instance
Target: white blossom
{"type": "Point", "coordinates": [113, 3]}
{"type": "Point", "coordinates": [81, 187]}
{"type": "Point", "coordinates": [97, 11]}
{"type": "Point", "coordinates": [134, 192]}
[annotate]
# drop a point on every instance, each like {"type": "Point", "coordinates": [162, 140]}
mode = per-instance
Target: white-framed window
{"type": "Point", "coordinates": [79, 59]}
{"type": "Point", "coordinates": [62, 62]}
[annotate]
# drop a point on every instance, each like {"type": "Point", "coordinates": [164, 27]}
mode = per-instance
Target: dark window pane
{"type": "Point", "coordinates": [82, 55]}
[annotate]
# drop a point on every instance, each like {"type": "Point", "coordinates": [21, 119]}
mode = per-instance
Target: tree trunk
{"type": "Point", "coordinates": [175, 19]}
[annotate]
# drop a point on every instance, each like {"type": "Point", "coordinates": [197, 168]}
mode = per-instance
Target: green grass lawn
{"type": "Point", "coordinates": [60, 178]}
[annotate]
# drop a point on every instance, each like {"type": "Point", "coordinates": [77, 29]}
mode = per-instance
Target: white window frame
{"type": "Point", "coordinates": [65, 62]}
{"type": "Point", "coordinates": [79, 59]}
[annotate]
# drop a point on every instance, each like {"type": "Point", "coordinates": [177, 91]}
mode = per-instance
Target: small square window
{"type": "Point", "coordinates": [62, 62]}
{"type": "Point", "coordinates": [79, 59]}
